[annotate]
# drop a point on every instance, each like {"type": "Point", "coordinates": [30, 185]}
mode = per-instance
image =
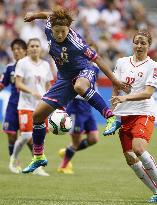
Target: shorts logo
{"type": "Point", "coordinates": [5, 125]}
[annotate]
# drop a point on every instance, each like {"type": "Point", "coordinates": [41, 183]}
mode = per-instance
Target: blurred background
{"type": "Point", "coordinates": [109, 23]}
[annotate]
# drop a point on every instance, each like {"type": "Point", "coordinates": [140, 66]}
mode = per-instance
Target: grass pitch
{"type": "Point", "coordinates": [101, 176]}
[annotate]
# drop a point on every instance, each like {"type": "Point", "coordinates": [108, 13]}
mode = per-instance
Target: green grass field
{"type": "Point", "coordinates": [101, 177]}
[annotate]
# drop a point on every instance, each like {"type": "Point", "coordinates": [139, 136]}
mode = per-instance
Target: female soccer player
{"type": "Point", "coordinates": [75, 76]}
{"type": "Point", "coordinates": [11, 122]}
{"type": "Point", "coordinates": [136, 109]}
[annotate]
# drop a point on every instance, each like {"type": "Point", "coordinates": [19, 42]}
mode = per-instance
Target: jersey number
{"type": "Point", "coordinates": [130, 80]}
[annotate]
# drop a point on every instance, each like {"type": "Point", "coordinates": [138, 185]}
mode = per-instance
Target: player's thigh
{"type": "Point", "coordinates": [11, 121]}
{"type": "Point", "coordinates": [143, 128]}
{"type": "Point", "coordinates": [77, 123]}
{"type": "Point", "coordinates": [60, 93]}
{"type": "Point", "coordinates": [25, 120]}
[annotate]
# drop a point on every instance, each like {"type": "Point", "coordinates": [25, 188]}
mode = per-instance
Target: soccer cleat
{"type": "Point", "coordinates": [65, 170]}
{"type": "Point", "coordinates": [112, 125]}
{"type": "Point", "coordinates": [14, 166]}
{"type": "Point", "coordinates": [69, 168]}
{"type": "Point", "coordinates": [41, 172]}
{"type": "Point", "coordinates": [62, 154]}
{"type": "Point", "coordinates": [37, 161]}
{"type": "Point", "coordinates": [153, 199]}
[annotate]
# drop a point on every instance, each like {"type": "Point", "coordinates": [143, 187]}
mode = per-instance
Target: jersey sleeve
{"type": "Point", "coordinates": [19, 71]}
{"type": "Point", "coordinates": [81, 46]}
{"type": "Point", "coordinates": [152, 77]}
{"type": "Point", "coordinates": [5, 81]}
{"type": "Point", "coordinates": [117, 69]}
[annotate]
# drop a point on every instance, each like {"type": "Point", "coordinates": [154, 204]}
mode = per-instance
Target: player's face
{"type": "Point", "coordinates": [60, 33]}
{"type": "Point", "coordinates": [34, 49]}
{"type": "Point", "coordinates": [140, 46]}
{"type": "Point", "coordinates": [18, 52]}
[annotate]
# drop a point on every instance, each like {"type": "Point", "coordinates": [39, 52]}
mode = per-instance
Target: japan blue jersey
{"type": "Point", "coordinates": [8, 79]}
{"type": "Point", "coordinates": [72, 55]}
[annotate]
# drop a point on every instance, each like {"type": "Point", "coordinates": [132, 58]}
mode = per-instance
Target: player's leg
{"type": "Point", "coordinates": [57, 97]}
{"type": "Point", "coordinates": [43, 110]}
{"type": "Point", "coordinates": [127, 142]}
{"type": "Point", "coordinates": [142, 133]}
{"type": "Point", "coordinates": [83, 86]}
{"type": "Point", "coordinates": [10, 127]}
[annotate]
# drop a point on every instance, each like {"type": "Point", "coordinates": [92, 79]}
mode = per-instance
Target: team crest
{"type": "Point", "coordinates": [140, 74]}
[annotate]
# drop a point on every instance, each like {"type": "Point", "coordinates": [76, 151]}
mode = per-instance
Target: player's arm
{"type": "Point", "coordinates": [31, 16]}
{"type": "Point", "coordinates": [146, 94]}
{"type": "Point", "coordinates": [120, 85]}
{"type": "Point", "coordinates": [22, 87]}
{"type": "Point", "coordinates": [115, 92]}
{"type": "Point", "coordinates": [48, 85]}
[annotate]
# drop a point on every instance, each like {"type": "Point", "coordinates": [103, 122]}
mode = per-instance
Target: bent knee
{"type": "Point", "coordinates": [131, 158]}
{"type": "Point", "coordinates": [37, 118]}
{"type": "Point", "coordinates": [93, 140]}
{"type": "Point", "coordinates": [81, 85]}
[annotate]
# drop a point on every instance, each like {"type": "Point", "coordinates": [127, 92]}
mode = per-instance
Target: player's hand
{"type": "Point", "coordinates": [117, 99]}
{"type": "Point", "coordinates": [29, 17]}
{"type": "Point", "coordinates": [123, 86]}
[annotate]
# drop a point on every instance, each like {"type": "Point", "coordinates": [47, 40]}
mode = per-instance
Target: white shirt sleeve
{"type": "Point", "coordinates": [19, 71]}
{"type": "Point", "coordinates": [152, 78]}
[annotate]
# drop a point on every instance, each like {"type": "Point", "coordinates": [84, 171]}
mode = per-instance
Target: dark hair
{"type": "Point", "coordinates": [19, 42]}
{"type": "Point", "coordinates": [144, 33]}
{"type": "Point", "coordinates": [33, 39]}
{"type": "Point", "coordinates": [60, 16]}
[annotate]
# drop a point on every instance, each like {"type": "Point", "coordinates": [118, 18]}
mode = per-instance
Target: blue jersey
{"type": "Point", "coordinates": [8, 79]}
{"type": "Point", "coordinates": [72, 55]}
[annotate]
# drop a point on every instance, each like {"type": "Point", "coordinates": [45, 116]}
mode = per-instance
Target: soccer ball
{"type": "Point", "coordinates": [59, 122]}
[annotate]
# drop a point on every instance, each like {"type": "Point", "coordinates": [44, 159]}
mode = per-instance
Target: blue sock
{"type": "Point", "coordinates": [96, 101]}
{"type": "Point", "coordinates": [69, 153]}
{"type": "Point", "coordinates": [10, 149]}
{"type": "Point", "coordinates": [39, 132]}
{"type": "Point", "coordinates": [83, 144]}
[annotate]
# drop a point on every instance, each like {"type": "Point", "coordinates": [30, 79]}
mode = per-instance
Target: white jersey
{"type": "Point", "coordinates": [138, 74]}
{"type": "Point", "coordinates": [35, 76]}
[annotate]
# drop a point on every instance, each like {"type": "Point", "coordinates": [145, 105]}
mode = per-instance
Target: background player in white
{"type": "Point", "coordinates": [136, 109]}
{"type": "Point", "coordinates": [33, 76]}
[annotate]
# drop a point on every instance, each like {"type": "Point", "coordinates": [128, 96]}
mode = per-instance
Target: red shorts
{"type": "Point", "coordinates": [26, 121]}
{"type": "Point", "coordinates": [135, 126]}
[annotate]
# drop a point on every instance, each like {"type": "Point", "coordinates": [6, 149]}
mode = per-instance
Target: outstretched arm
{"type": "Point", "coordinates": [146, 94]}
{"type": "Point", "coordinates": [30, 16]}
{"type": "Point", "coordinates": [120, 85]}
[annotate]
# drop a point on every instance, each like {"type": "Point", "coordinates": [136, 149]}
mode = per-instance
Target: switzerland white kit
{"type": "Point", "coordinates": [138, 74]}
{"type": "Point", "coordinates": [35, 76]}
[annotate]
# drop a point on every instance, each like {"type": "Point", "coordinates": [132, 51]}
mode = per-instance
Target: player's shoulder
{"type": "Point", "coordinates": [152, 62]}
{"type": "Point", "coordinates": [10, 65]}
{"type": "Point", "coordinates": [75, 39]}
{"type": "Point", "coordinates": [23, 60]}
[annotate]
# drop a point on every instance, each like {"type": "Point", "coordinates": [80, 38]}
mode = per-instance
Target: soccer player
{"type": "Point", "coordinates": [75, 76]}
{"type": "Point", "coordinates": [11, 122]}
{"type": "Point", "coordinates": [136, 109]}
{"type": "Point", "coordinates": [33, 76]}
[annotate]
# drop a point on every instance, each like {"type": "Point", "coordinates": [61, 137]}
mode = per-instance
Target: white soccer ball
{"type": "Point", "coordinates": [59, 122]}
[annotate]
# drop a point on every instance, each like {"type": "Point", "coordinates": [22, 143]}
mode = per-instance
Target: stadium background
{"type": "Point", "coordinates": [110, 23]}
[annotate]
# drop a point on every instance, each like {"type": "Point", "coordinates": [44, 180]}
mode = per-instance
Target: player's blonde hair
{"type": "Point", "coordinates": [60, 16]}
{"type": "Point", "coordinates": [144, 33]}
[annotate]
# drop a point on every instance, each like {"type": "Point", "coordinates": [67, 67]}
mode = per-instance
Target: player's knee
{"type": "Point", "coordinates": [138, 150]}
{"type": "Point", "coordinates": [93, 140]}
{"type": "Point", "coordinates": [37, 118]}
{"type": "Point", "coordinates": [131, 158]}
{"type": "Point", "coordinates": [81, 85]}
